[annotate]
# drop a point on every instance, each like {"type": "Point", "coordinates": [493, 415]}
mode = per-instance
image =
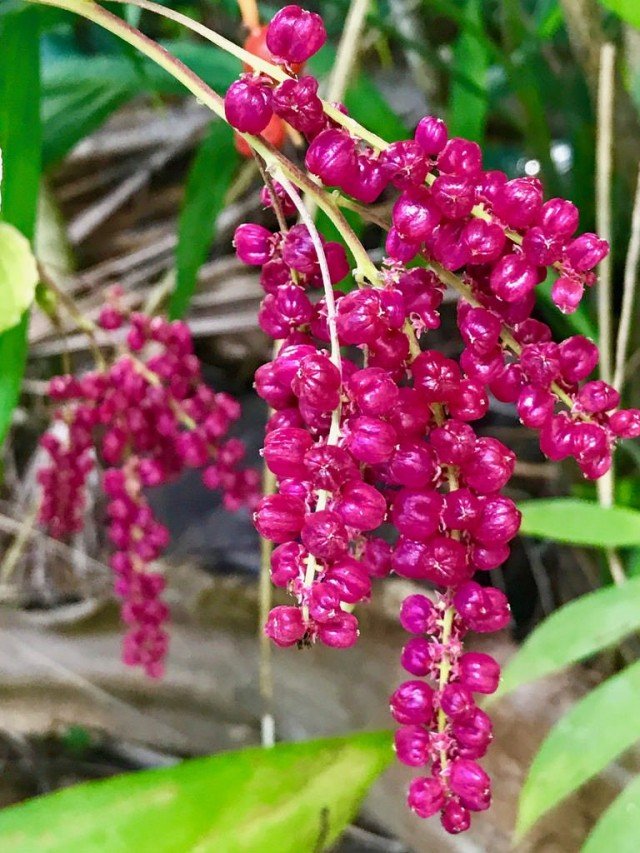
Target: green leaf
{"type": "Point", "coordinates": [628, 10]}
{"type": "Point", "coordinates": [211, 173]}
{"type": "Point", "coordinates": [80, 93]}
{"type": "Point", "coordinates": [580, 523]}
{"type": "Point", "coordinates": [589, 736]}
{"type": "Point", "coordinates": [14, 347]}
{"type": "Point", "coordinates": [18, 276]}
{"type": "Point", "coordinates": [291, 798]}
{"type": "Point", "coordinates": [20, 134]}
{"type": "Point", "coordinates": [20, 141]}
{"type": "Point", "coordinates": [69, 117]}
{"type": "Point", "coordinates": [576, 631]}
{"type": "Point", "coordinates": [618, 830]}
{"type": "Point", "coordinates": [548, 18]}
{"type": "Point", "coordinates": [468, 108]}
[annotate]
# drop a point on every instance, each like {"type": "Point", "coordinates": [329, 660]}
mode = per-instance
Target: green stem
{"type": "Point", "coordinates": [255, 62]}
{"type": "Point", "coordinates": [336, 355]}
{"type": "Point", "coordinates": [273, 159]}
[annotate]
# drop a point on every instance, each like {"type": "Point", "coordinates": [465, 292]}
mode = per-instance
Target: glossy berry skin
{"type": "Point", "coordinates": [294, 34]}
{"type": "Point", "coordinates": [145, 419]}
{"type": "Point", "coordinates": [285, 626]}
{"type": "Point", "coordinates": [412, 745]}
{"type": "Point", "coordinates": [469, 781]}
{"type": "Point", "coordinates": [417, 614]}
{"type": "Point", "coordinates": [431, 135]}
{"type": "Point", "coordinates": [426, 796]}
{"type": "Point", "coordinates": [374, 433]}
{"type": "Point", "coordinates": [483, 609]}
{"type": "Point", "coordinates": [279, 518]}
{"type": "Point", "coordinates": [247, 105]}
{"type": "Point", "coordinates": [412, 703]}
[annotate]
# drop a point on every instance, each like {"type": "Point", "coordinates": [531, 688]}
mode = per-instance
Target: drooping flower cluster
{"type": "Point", "coordinates": [252, 106]}
{"type": "Point", "coordinates": [378, 467]}
{"type": "Point", "coordinates": [145, 418]}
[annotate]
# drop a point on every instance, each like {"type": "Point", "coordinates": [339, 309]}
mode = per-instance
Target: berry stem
{"type": "Point", "coordinates": [347, 52]}
{"type": "Point", "coordinates": [272, 158]}
{"type": "Point", "coordinates": [84, 324]}
{"type": "Point", "coordinates": [255, 62]}
{"type": "Point", "coordinates": [445, 669]}
{"type": "Point", "coordinates": [336, 356]}
{"type": "Point", "coordinates": [250, 14]}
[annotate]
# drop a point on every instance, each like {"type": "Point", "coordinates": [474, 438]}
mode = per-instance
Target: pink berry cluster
{"type": "Point", "coordinates": [379, 469]}
{"type": "Point", "coordinates": [146, 418]}
{"type": "Point", "coordinates": [252, 101]}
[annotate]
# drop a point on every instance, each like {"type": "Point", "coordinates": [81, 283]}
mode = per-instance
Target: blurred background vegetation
{"type": "Point", "coordinates": [136, 186]}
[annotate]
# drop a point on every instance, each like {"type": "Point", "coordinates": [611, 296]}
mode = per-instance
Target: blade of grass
{"type": "Point", "coordinates": [20, 141]}
{"type": "Point", "coordinates": [209, 178]}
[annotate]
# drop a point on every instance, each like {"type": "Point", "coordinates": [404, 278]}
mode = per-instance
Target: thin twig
{"type": "Point", "coordinates": [604, 154]}
{"type": "Point", "coordinates": [628, 293]}
{"type": "Point", "coordinates": [19, 544]}
{"type": "Point", "coordinates": [346, 56]}
{"type": "Point", "coordinates": [249, 13]}
{"type": "Point", "coordinates": [604, 149]}
{"type": "Point", "coordinates": [265, 588]}
{"type": "Point", "coordinates": [83, 323]}
{"type": "Point", "coordinates": [347, 52]}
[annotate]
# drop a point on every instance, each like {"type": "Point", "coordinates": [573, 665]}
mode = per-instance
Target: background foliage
{"type": "Point", "coordinates": [517, 76]}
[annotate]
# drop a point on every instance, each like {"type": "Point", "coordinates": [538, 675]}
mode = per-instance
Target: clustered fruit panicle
{"type": "Point", "coordinates": [144, 419]}
{"type": "Point", "coordinates": [379, 469]}
{"type": "Point", "coordinates": [372, 435]}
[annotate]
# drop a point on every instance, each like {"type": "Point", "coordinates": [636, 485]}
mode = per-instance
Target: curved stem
{"type": "Point", "coordinates": [255, 62]}
{"type": "Point", "coordinates": [347, 49]}
{"type": "Point", "coordinates": [336, 356]}
{"type": "Point", "coordinates": [249, 12]}
{"type": "Point", "coordinates": [604, 152]}
{"type": "Point", "coordinates": [181, 72]}
{"type": "Point", "coordinates": [628, 292]}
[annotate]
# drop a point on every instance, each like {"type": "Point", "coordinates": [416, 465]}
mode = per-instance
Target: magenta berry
{"type": "Point", "coordinates": [412, 745]}
{"type": "Point", "coordinates": [372, 440]}
{"type": "Point", "coordinates": [418, 614]}
{"type": "Point", "coordinates": [294, 34]}
{"type": "Point", "coordinates": [479, 672]}
{"type": "Point", "coordinates": [247, 104]}
{"type": "Point", "coordinates": [469, 781]}
{"type": "Point", "coordinates": [431, 135]}
{"type": "Point", "coordinates": [426, 796]}
{"type": "Point", "coordinates": [412, 703]}
{"type": "Point", "coordinates": [147, 419]}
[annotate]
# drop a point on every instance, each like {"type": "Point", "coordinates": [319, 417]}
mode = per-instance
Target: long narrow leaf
{"type": "Point", "coordinates": [20, 141]}
{"type": "Point", "coordinates": [628, 10]}
{"type": "Point", "coordinates": [580, 523]}
{"type": "Point", "coordinates": [576, 631]}
{"type": "Point", "coordinates": [588, 738]}
{"type": "Point", "coordinates": [468, 109]}
{"type": "Point", "coordinates": [618, 830]}
{"type": "Point", "coordinates": [211, 174]}
{"type": "Point", "coordinates": [291, 798]}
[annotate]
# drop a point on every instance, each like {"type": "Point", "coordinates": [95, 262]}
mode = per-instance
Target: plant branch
{"type": "Point", "coordinates": [628, 292]}
{"type": "Point", "coordinates": [347, 52]}
{"type": "Point", "coordinates": [250, 14]}
{"type": "Point", "coordinates": [336, 356]}
{"type": "Point", "coordinates": [604, 154]}
{"type": "Point", "coordinates": [255, 62]}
